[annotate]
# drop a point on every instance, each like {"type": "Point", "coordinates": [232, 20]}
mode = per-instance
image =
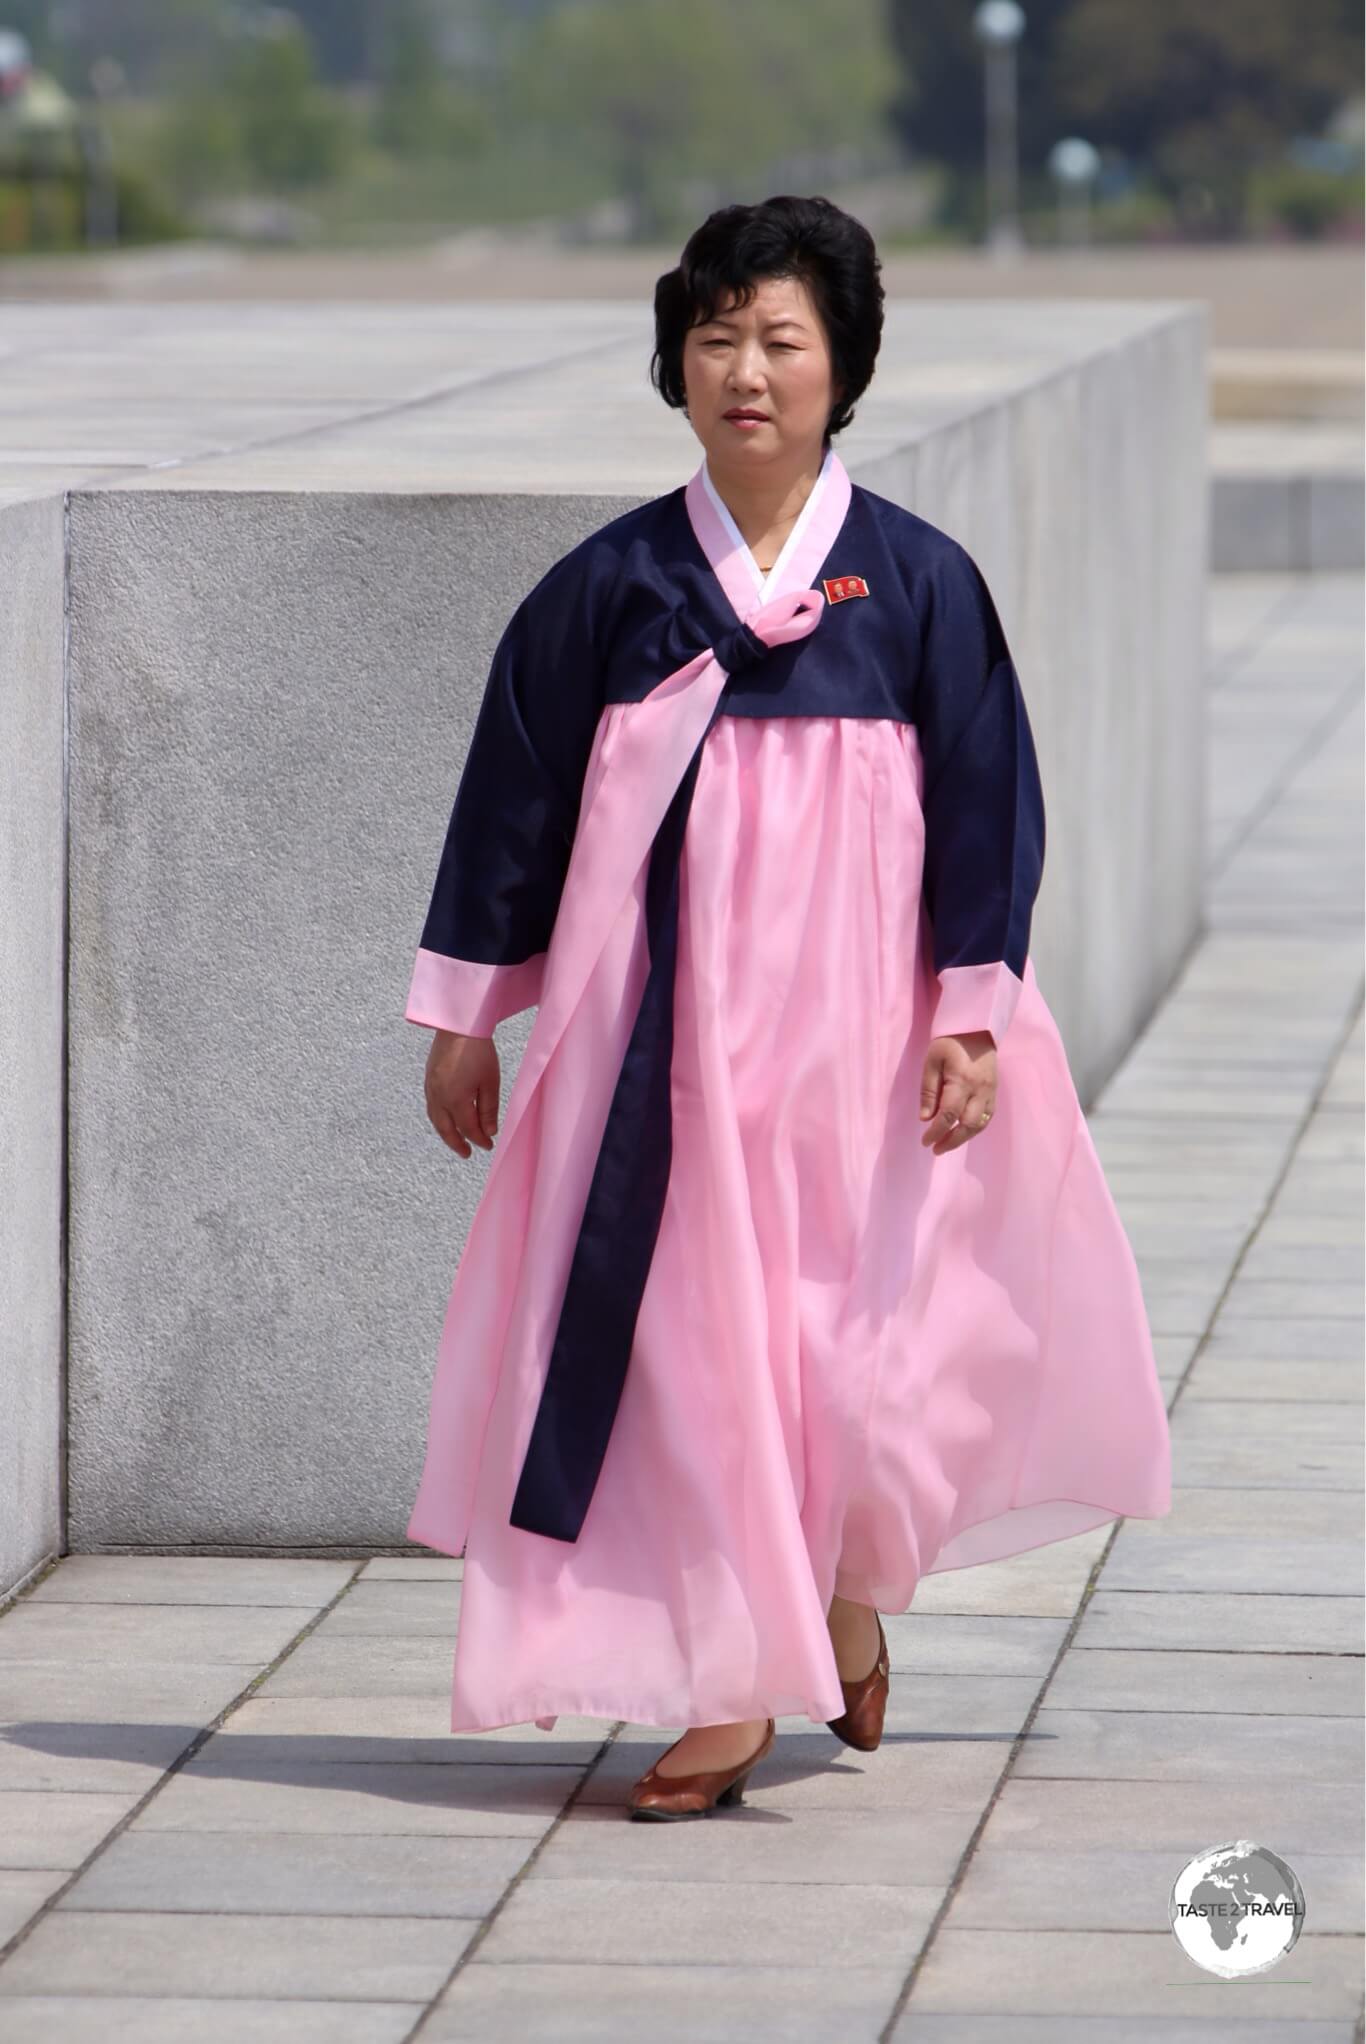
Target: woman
{"type": "Point", "coordinates": [751, 812]}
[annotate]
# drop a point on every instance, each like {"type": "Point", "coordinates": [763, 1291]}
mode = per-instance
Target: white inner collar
{"type": "Point", "coordinates": [762, 581]}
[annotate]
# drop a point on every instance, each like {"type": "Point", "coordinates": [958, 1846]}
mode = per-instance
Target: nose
{"type": "Point", "coordinates": [746, 370]}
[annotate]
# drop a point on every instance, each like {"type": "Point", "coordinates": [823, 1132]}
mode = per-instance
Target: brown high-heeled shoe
{"type": "Point", "coordinates": [666, 1796]}
{"type": "Point", "coordinates": [865, 1702]}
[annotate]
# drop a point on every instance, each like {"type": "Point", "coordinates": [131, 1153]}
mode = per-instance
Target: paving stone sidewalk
{"type": "Point", "coordinates": [230, 1812]}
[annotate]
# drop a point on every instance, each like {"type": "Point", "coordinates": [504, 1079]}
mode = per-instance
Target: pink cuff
{"type": "Point", "coordinates": [458, 994]}
{"type": "Point", "coordinates": [976, 997]}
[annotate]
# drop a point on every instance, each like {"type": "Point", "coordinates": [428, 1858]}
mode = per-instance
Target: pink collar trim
{"type": "Point", "coordinates": [807, 545]}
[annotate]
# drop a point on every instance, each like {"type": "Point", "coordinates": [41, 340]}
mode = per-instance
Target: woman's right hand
{"type": "Point", "coordinates": [462, 1084]}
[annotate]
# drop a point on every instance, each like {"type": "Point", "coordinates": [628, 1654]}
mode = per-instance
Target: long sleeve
{"type": "Point", "coordinates": [511, 831]}
{"type": "Point", "coordinates": [983, 801]}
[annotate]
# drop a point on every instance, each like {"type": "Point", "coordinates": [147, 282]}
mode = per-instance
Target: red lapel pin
{"type": "Point", "coordinates": [844, 585]}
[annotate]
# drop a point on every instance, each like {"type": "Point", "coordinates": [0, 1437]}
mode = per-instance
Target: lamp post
{"type": "Point", "coordinates": [998, 26]}
{"type": "Point", "coordinates": [1074, 164]}
{"type": "Point", "coordinates": [101, 190]}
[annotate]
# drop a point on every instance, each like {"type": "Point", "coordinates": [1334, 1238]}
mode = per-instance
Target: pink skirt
{"type": "Point", "coordinates": [856, 1363]}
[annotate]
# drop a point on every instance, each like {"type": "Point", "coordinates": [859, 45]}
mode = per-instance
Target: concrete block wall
{"type": "Point", "coordinates": [273, 662]}
{"type": "Point", "coordinates": [271, 698]}
{"type": "Point", "coordinates": [32, 1055]}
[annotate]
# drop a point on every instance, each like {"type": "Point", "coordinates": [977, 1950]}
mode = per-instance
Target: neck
{"type": "Point", "coordinates": [765, 500]}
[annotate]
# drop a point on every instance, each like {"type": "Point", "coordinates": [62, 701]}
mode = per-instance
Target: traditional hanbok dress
{"type": "Point", "coordinates": [724, 1337]}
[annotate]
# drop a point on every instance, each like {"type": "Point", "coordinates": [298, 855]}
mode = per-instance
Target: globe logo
{"type": "Point", "coordinates": [1236, 1909]}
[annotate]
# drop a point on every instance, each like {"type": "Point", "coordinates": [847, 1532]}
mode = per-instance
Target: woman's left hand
{"type": "Point", "coordinates": [958, 1090]}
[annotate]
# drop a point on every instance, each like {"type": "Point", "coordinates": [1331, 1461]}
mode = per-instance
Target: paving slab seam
{"type": "Point", "coordinates": [280, 1550]}
{"type": "Point", "coordinates": [487, 1922]}
{"type": "Point", "coordinates": [886, 2035]}
{"type": "Point", "coordinates": [1299, 1652]}
{"type": "Point", "coordinates": [39, 1573]}
{"type": "Point", "coordinates": [1339, 711]}
{"type": "Point", "coordinates": [387, 408]}
{"type": "Point", "coordinates": [1228, 664]}
{"type": "Point", "coordinates": [960, 1872]}
{"type": "Point", "coordinates": [188, 1752]}
{"type": "Point", "coordinates": [1312, 1107]}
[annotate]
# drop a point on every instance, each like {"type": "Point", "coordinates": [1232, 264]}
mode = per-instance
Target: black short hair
{"type": "Point", "coordinates": [811, 239]}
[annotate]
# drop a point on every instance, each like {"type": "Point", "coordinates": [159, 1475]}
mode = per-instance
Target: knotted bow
{"type": "Point", "coordinates": [620, 1225]}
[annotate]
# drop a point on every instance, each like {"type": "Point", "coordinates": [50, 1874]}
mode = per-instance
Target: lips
{"type": "Point", "coordinates": [742, 413]}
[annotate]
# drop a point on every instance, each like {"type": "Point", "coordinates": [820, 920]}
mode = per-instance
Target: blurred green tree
{"type": "Point", "coordinates": [154, 42]}
{"type": "Point", "coordinates": [422, 110]}
{"type": "Point", "coordinates": [667, 99]}
{"type": "Point", "coordinates": [1206, 95]}
{"type": "Point", "coordinates": [197, 146]}
{"type": "Point", "coordinates": [344, 34]}
{"type": "Point", "coordinates": [293, 132]}
{"type": "Point", "coordinates": [409, 115]}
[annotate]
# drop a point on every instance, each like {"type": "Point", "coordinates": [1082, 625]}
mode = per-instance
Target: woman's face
{"type": "Point", "coordinates": [770, 358]}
